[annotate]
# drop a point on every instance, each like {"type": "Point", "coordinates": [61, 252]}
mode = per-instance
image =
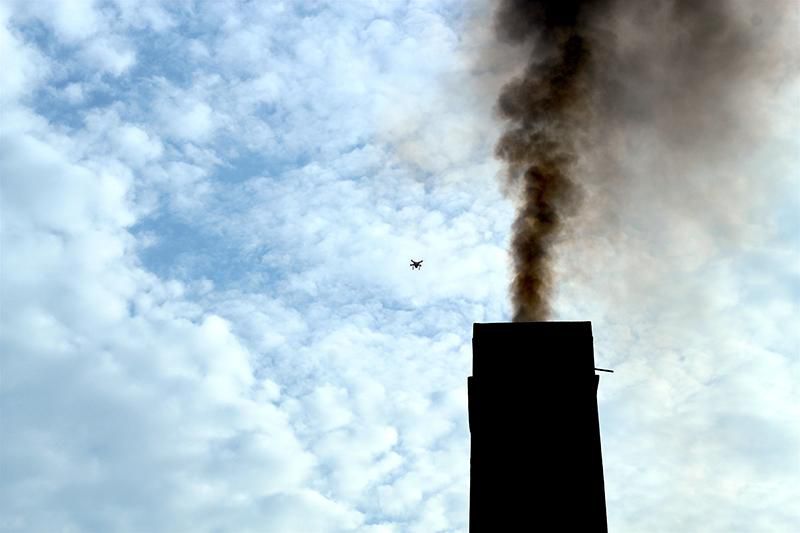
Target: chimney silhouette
{"type": "Point", "coordinates": [536, 462]}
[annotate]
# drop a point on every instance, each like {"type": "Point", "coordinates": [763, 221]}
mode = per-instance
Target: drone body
{"type": "Point", "coordinates": [416, 265]}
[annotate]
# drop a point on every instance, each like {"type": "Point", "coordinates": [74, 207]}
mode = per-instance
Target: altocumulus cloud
{"type": "Point", "coordinates": [208, 320]}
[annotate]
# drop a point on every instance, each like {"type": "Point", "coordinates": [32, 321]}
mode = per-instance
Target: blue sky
{"type": "Point", "coordinates": [208, 319]}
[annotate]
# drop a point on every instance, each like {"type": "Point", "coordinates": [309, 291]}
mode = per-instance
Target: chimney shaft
{"type": "Point", "coordinates": [536, 461]}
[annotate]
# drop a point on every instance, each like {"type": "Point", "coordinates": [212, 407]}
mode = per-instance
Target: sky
{"type": "Point", "coordinates": [209, 323]}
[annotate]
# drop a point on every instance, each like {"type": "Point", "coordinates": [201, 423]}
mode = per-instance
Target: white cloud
{"type": "Point", "coordinates": [133, 407]}
{"type": "Point", "coordinates": [55, 196]}
{"type": "Point", "coordinates": [107, 136]}
{"type": "Point", "coordinates": [74, 93]}
{"type": "Point", "coordinates": [109, 55]}
{"type": "Point", "coordinates": [136, 146]}
{"type": "Point", "coordinates": [185, 116]}
{"type": "Point", "coordinates": [23, 66]}
{"type": "Point", "coordinates": [146, 14]}
{"type": "Point", "coordinates": [71, 20]}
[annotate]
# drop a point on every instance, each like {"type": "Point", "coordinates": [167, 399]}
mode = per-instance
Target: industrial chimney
{"type": "Point", "coordinates": [536, 463]}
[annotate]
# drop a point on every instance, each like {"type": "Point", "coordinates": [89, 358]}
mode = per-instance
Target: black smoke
{"type": "Point", "coordinates": [602, 66]}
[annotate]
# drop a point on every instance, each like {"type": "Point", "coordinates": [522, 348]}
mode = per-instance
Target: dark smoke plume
{"type": "Point", "coordinates": [670, 64]}
{"type": "Point", "coordinates": [544, 108]}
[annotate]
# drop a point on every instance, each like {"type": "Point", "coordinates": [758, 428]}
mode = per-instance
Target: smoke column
{"type": "Point", "coordinates": [605, 65]}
